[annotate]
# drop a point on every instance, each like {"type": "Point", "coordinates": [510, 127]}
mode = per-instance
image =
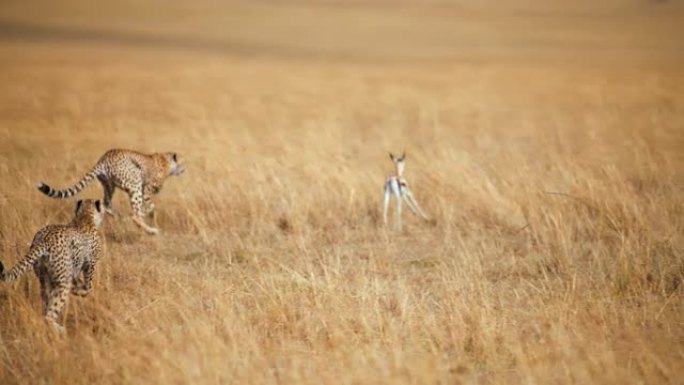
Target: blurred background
{"type": "Point", "coordinates": [618, 31]}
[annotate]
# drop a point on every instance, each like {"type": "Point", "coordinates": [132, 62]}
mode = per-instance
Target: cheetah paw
{"type": "Point", "coordinates": [152, 230]}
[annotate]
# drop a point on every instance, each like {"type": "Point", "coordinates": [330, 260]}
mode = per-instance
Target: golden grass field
{"type": "Point", "coordinates": [546, 142]}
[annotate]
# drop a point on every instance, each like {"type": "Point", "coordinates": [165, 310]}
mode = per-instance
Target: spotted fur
{"type": "Point", "coordinates": [63, 258]}
{"type": "Point", "coordinates": [139, 175]}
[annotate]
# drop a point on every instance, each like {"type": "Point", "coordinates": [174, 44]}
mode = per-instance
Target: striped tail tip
{"type": "Point", "coordinates": [45, 189]}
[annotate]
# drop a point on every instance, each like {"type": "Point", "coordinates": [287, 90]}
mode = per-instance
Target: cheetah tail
{"type": "Point", "coordinates": [23, 265]}
{"type": "Point", "coordinates": [71, 191]}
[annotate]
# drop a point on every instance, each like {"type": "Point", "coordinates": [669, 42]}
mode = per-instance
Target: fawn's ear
{"type": "Point", "coordinates": [403, 156]}
{"type": "Point", "coordinates": [391, 156]}
{"type": "Point", "coordinates": [98, 206]}
{"type": "Point", "coordinates": [79, 204]}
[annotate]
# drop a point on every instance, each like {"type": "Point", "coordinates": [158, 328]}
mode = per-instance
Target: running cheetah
{"type": "Point", "coordinates": [63, 257]}
{"type": "Point", "coordinates": [139, 175]}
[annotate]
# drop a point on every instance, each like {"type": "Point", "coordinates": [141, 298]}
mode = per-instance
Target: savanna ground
{"type": "Point", "coordinates": [546, 141]}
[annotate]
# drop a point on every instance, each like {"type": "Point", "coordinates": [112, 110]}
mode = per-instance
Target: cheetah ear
{"type": "Point", "coordinates": [175, 157]}
{"type": "Point", "coordinates": [79, 204]}
{"type": "Point", "coordinates": [98, 206]}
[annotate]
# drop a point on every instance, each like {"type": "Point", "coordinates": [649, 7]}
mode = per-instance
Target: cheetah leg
{"type": "Point", "coordinates": [139, 213]}
{"type": "Point", "coordinates": [77, 283]}
{"type": "Point", "coordinates": [148, 205]}
{"type": "Point", "coordinates": [83, 288]}
{"type": "Point", "coordinates": [56, 302]}
{"type": "Point", "coordinates": [150, 214]}
{"type": "Point", "coordinates": [108, 194]}
{"type": "Point", "coordinates": [44, 287]}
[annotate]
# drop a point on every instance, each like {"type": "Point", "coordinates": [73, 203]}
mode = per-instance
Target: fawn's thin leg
{"type": "Point", "coordinates": [386, 202]}
{"type": "Point", "coordinates": [399, 211]}
{"type": "Point", "coordinates": [411, 201]}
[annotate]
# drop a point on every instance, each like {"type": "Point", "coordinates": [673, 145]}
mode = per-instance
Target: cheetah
{"type": "Point", "coordinates": [64, 258]}
{"type": "Point", "coordinates": [139, 175]}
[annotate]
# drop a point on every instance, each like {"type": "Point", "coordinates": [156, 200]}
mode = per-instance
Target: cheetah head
{"type": "Point", "coordinates": [90, 209]}
{"type": "Point", "coordinates": [175, 163]}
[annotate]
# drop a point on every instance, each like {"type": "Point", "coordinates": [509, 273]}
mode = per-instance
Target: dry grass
{"type": "Point", "coordinates": [556, 252]}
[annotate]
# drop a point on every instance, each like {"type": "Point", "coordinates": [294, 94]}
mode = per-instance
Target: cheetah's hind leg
{"type": "Point", "coordinates": [56, 302]}
{"type": "Point", "coordinates": [82, 287]}
{"type": "Point", "coordinates": [109, 188]}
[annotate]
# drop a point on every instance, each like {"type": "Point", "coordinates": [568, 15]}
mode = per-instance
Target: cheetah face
{"type": "Point", "coordinates": [175, 164]}
{"type": "Point", "coordinates": [92, 209]}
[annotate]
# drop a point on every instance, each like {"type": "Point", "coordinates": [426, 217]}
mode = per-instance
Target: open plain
{"type": "Point", "coordinates": [545, 141]}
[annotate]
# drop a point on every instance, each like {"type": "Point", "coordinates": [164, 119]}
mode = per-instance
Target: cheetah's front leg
{"type": "Point", "coordinates": [148, 205]}
{"type": "Point", "coordinates": [138, 212]}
